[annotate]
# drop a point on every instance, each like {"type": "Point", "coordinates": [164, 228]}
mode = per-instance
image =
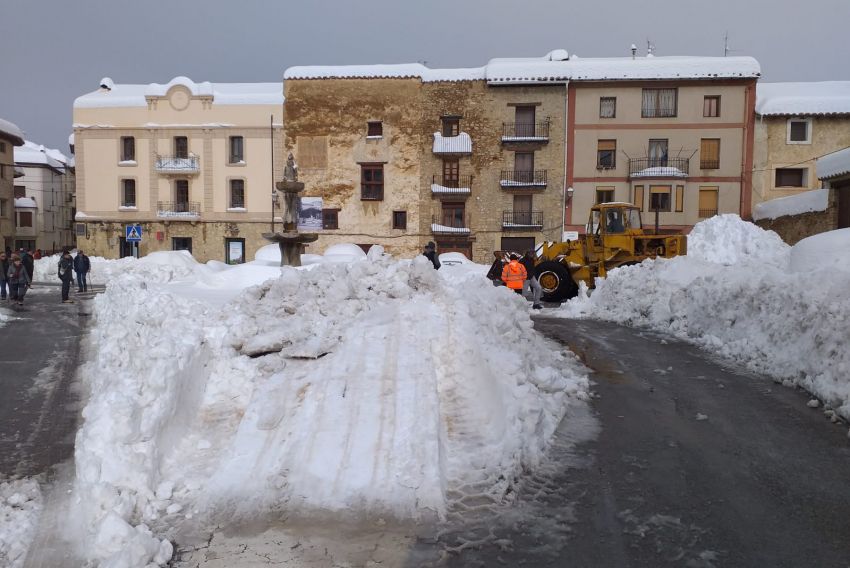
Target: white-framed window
{"type": "Point", "coordinates": [237, 194]}
{"type": "Point", "coordinates": [799, 131]}
{"type": "Point", "coordinates": [792, 177]}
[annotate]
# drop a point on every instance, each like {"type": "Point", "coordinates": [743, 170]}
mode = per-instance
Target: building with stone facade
{"type": "Point", "coordinates": [190, 163]}
{"type": "Point", "coordinates": [796, 123]}
{"type": "Point", "coordinates": [10, 137]}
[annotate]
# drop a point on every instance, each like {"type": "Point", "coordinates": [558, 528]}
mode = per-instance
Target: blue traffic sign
{"type": "Point", "coordinates": [133, 233]}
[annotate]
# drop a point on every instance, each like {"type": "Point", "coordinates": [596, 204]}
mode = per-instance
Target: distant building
{"type": "Point", "coordinates": [10, 136]}
{"type": "Point", "coordinates": [44, 198]}
{"type": "Point", "coordinates": [188, 162]}
{"type": "Point", "coordinates": [796, 124]}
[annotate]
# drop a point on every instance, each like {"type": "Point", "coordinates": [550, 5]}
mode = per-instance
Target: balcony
{"type": "Point", "coordinates": [525, 132]}
{"type": "Point", "coordinates": [522, 220]}
{"type": "Point", "coordinates": [520, 179]}
{"type": "Point", "coordinates": [443, 186]}
{"type": "Point", "coordinates": [177, 165]}
{"type": "Point", "coordinates": [658, 167]}
{"type": "Point", "coordinates": [706, 213]}
{"type": "Point", "coordinates": [188, 209]}
{"type": "Point", "coordinates": [460, 145]}
{"type": "Point", "coordinates": [450, 223]}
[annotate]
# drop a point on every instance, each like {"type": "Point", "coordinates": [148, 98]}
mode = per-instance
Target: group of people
{"type": "Point", "coordinates": [517, 273]}
{"type": "Point", "coordinates": [17, 270]}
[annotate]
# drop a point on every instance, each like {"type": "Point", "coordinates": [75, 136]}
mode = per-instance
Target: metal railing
{"type": "Point", "coordinates": [178, 208]}
{"type": "Point", "coordinates": [658, 112]}
{"type": "Point", "coordinates": [452, 181]}
{"type": "Point", "coordinates": [658, 167]}
{"type": "Point", "coordinates": [450, 223]}
{"type": "Point", "coordinates": [525, 131]}
{"type": "Point", "coordinates": [521, 219]}
{"type": "Point", "coordinates": [175, 164]}
{"type": "Point", "coordinates": [709, 164]}
{"type": "Point", "coordinates": [705, 213]}
{"type": "Point", "coordinates": [522, 178]}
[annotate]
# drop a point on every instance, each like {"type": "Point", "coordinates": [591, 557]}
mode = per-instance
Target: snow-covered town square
{"type": "Point", "coordinates": [424, 285]}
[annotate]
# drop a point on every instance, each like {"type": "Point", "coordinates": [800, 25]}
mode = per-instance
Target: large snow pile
{"type": "Point", "coordinates": [20, 505]}
{"type": "Point", "coordinates": [792, 325]}
{"type": "Point", "coordinates": [353, 389]}
{"type": "Point", "coordinates": [156, 267]}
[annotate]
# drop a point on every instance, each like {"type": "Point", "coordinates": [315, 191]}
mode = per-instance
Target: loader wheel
{"type": "Point", "coordinates": [557, 282]}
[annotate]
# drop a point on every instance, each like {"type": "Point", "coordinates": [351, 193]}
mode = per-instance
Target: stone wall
{"type": "Point", "coordinates": [794, 228]}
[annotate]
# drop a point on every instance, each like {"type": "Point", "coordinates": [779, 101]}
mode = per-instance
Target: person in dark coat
{"type": "Point", "coordinates": [28, 262]}
{"type": "Point", "coordinates": [82, 266]}
{"type": "Point", "coordinates": [5, 264]}
{"type": "Point", "coordinates": [66, 275]}
{"type": "Point", "coordinates": [430, 253]}
{"type": "Point", "coordinates": [18, 280]}
{"type": "Point", "coordinates": [495, 272]}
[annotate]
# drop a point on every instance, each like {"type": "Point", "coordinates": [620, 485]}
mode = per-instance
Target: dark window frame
{"type": "Point", "coordinates": [707, 106]}
{"type": "Point", "coordinates": [786, 173]}
{"type": "Point", "coordinates": [128, 184]}
{"type": "Point", "coordinates": [449, 214]}
{"type": "Point", "coordinates": [177, 189]}
{"type": "Point", "coordinates": [128, 149]}
{"type": "Point", "coordinates": [181, 147]}
{"type": "Point", "coordinates": [232, 188]}
{"type": "Point", "coordinates": [374, 129]}
{"type": "Point", "coordinates": [807, 137]}
{"type": "Point", "coordinates": [25, 215]}
{"type": "Point", "coordinates": [450, 126]}
{"type": "Point", "coordinates": [667, 194]}
{"type": "Point", "coordinates": [607, 155]}
{"type": "Point", "coordinates": [400, 220]}
{"type": "Point", "coordinates": [330, 218]}
{"type": "Point", "coordinates": [370, 189]}
{"type": "Point", "coordinates": [606, 192]}
{"type": "Point", "coordinates": [237, 155]}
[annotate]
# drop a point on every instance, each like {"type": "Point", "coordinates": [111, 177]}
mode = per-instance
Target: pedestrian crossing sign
{"type": "Point", "coordinates": [133, 233]}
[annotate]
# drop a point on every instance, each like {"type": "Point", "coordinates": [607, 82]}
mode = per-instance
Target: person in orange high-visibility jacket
{"type": "Point", "coordinates": [514, 274]}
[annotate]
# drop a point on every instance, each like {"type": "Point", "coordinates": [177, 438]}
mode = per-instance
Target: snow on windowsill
{"type": "Point", "coordinates": [437, 188]}
{"type": "Point", "coordinates": [239, 163]}
{"type": "Point", "coordinates": [444, 229]}
{"type": "Point", "coordinates": [128, 163]}
{"type": "Point", "coordinates": [236, 210]}
{"type": "Point", "coordinates": [128, 208]}
{"type": "Point", "coordinates": [374, 137]}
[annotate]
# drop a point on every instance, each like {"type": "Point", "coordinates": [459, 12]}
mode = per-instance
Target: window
{"type": "Point", "coordinates": [454, 215]}
{"type": "Point", "coordinates": [2, 147]}
{"type": "Point", "coordinates": [4, 208]}
{"type": "Point", "coordinates": [638, 199]}
{"type": "Point", "coordinates": [2, 171]}
{"type": "Point", "coordinates": [399, 219]}
{"type": "Point", "coordinates": [451, 173]}
{"type": "Point", "coordinates": [711, 106]}
{"type": "Point", "coordinates": [181, 192]}
{"type": "Point", "coordinates": [20, 191]}
{"type": "Point", "coordinates": [524, 117]}
{"type": "Point", "coordinates": [374, 129]}
{"type": "Point", "coordinates": [799, 131]}
{"type": "Point", "coordinates": [659, 198]}
{"type": "Point", "coordinates": [128, 193]}
{"type": "Point", "coordinates": [330, 218]}
{"type": "Point", "coordinates": [237, 193]}
{"type": "Point", "coordinates": [522, 210]}
{"type": "Point", "coordinates": [128, 148]}
{"type": "Point", "coordinates": [680, 198]}
{"type": "Point", "coordinates": [707, 202]}
{"type": "Point", "coordinates": [372, 182]}
{"type": "Point", "coordinates": [181, 243]}
{"type": "Point", "coordinates": [791, 177]}
{"type": "Point", "coordinates": [659, 103]}
{"type": "Point", "coordinates": [451, 125]}
{"type": "Point", "coordinates": [24, 218]}
{"type": "Point", "coordinates": [604, 194]}
{"type": "Point", "coordinates": [181, 147]}
{"type": "Point", "coordinates": [709, 154]}
{"type": "Point", "coordinates": [607, 107]}
{"type": "Point", "coordinates": [606, 154]}
{"type": "Point", "coordinates": [658, 153]}
{"type": "Point", "coordinates": [237, 154]}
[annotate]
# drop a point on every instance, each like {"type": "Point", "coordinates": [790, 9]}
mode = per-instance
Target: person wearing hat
{"type": "Point", "coordinates": [18, 280]}
{"type": "Point", "coordinates": [82, 266]}
{"type": "Point", "coordinates": [430, 253]}
{"type": "Point", "coordinates": [66, 275]}
{"type": "Point", "coordinates": [28, 262]}
{"type": "Point", "coordinates": [514, 274]}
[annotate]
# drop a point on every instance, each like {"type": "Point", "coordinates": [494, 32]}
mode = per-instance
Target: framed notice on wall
{"type": "Point", "coordinates": [234, 252]}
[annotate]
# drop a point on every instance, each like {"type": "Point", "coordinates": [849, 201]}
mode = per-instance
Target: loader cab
{"type": "Point", "coordinates": [613, 219]}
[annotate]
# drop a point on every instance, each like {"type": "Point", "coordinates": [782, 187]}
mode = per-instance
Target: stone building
{"type": "Point", "coordinates": [191, 163]}
{"type": "Point", "coordinates": [10, 136]}
{"type": "Point", "coordinates": [796, 123]}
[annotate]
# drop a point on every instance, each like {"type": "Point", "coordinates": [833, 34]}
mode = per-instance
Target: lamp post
{"type": "Point", "coordinates": [568, 193]}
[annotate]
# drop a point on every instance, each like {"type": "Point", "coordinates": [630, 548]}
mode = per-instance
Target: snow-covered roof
{"type": "Point", "coordinates": [25, 203]}
{"type": "Point", "coordinates": [126, 95]}
{"type": "Point", "coordinates": [36, 154]}
{"type": "Point", "coordinates": [798, 99]}
{"type": "Point", "coordinates": [460, 144]}
{"type": "Point", "coordinates": [805, 202]}
{"type": "Point", "coordinates": [11, 131]}
{"type": "Point", "coordinates": [834, 165]}
{"type": "Point", "coordinates": [551, 68]}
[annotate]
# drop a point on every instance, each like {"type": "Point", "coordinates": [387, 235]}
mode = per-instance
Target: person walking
{"type": "Point", "coordinates": [514, 274]}
{"type": "Point", "coordinates": [28, 262]}
{"type": "Point", "coordinates": [5, 263]}
{"type": "Point", "coordinates": [430, 253]}
{"type": "Point", "coordinates": [495, 272]}
{"type": "Point", "coordinates": [66, 275]}
{"type": "Point", "coordinates": [82, 266]}
{"type": "Point", "coordinates": [532, 282]}
{"type": "Point", "coordinates": [18, 279]}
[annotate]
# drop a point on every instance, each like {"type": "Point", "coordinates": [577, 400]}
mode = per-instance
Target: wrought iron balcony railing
{"type": "Point", "coordinates": [522, 178]}
{"type": "Point", "coordinates": [451, 185]}
{"type": "Point", "coordinates": [657, 112]}
{"type": "Point", "coordinates": [709, 164]}
{"type": "Point", "coordinates": [525, 131]}
{"type": "Point", "coordinates": [178, 209]}
{"type": "Point", "coordinates": [177, 165]}
{"type": "Point", "coordinates": [522, 220]}
{"type": "Point", "coordinates": [658, 167]}
{"type": "Point", "coordinates": [705, 213]}
{"type": "Point", "coordinates": [450, 223]}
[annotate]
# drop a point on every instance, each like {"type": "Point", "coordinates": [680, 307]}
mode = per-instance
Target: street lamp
{"type": "Point", "coordinates": [568, 193]}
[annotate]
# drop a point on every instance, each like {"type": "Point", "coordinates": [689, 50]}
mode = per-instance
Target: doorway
{"type": "Point", "coordinates": [127, 248]}
{"type": "Point", "coordinates": [181, 243]}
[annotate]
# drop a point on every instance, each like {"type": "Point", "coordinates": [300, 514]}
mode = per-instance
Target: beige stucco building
{"type": "Point", "coordinates": [796, 123]}
{"type": "Point", "coordinates": [10, 136]}
{"type": "Point", "coordinates": [190, 163]}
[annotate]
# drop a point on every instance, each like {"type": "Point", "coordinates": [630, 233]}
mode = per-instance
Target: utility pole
{"type": "Point", "coordinates": [274, 189]}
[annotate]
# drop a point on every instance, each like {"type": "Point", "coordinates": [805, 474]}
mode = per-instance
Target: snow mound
{"type": "Point", "coordinates": [806, 202]}
{"type": "Point", "coordinates": [20, 506]}
{"type": "Point", "coordinates": [754, 311]}
{"type": "Point", "coordinates": [358, 389]}
{"type": "Point", "coordinates": [726, 239]}
{"type": "Point", "coordinates": [828, 251]}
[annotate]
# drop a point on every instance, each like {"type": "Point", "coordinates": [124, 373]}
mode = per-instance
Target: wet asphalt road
{"type": "Point", "coordinates": [39, 355]}
{"type": "Point", "coordinates": [695, 464]}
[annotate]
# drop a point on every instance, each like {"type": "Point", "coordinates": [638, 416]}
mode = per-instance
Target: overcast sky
{"type": "Point", "coordinates": [52, 51]}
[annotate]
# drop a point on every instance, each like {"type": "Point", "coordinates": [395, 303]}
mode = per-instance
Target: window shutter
{"type": "Point", "coordinates": [607, 144]}
{"type": "Point", "coordinates": [709, 153]}
{"type": "Point", "coordinates": [680, 198]}
{"type": "Point", "coordinates": [639, 196]}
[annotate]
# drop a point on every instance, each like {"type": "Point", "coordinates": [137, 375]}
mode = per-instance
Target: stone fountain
{"type": "Point", "coordinates": [290, 241]}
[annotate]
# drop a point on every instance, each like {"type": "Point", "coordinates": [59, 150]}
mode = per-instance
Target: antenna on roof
{"type": "Point", "coordinates": [634, 50]}
{"type": "Point", "coordinates": [726, 48]}
{"type": "Point", "coordinates": [650, 48]}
